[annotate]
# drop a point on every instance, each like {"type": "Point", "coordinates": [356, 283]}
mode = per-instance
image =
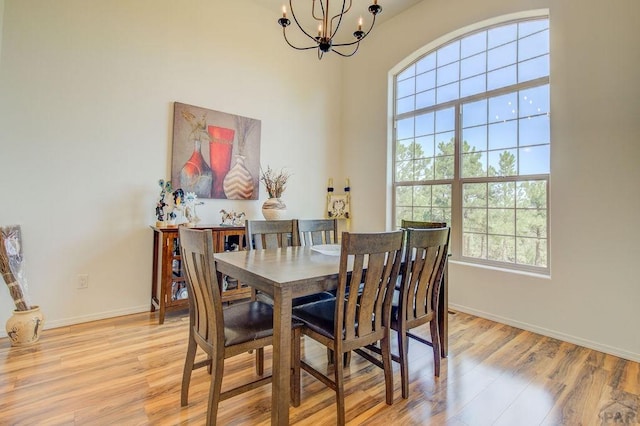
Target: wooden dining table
{"type": "Point", "coordinates": [286, 273]}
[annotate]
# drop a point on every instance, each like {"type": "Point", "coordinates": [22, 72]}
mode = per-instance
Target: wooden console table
{"type": "Point", "coordinates": [168, 286]}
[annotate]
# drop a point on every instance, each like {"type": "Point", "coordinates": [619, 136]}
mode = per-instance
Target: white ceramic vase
{"type": "Point", "coordinates": [274, 209]}
{"type": "Point", "coordinates": [24, 327]}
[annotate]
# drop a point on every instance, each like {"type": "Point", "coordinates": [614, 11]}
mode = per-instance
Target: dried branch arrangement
{"type": "Point", "coordinates": [9, 253]}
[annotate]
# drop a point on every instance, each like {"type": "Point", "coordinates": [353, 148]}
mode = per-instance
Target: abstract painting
{"type": "Point", "coordinates": [215, 154]}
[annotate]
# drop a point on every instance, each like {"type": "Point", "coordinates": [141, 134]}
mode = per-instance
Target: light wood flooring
{"type": "Point", "coordinates": [127, 371]}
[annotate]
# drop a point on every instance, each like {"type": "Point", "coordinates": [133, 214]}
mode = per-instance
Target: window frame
{"type": "Point", "coordinates": [457, 181]}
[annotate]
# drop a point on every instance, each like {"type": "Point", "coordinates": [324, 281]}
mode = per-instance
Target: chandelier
{"type": "Point", "coordinates": [329, 23]}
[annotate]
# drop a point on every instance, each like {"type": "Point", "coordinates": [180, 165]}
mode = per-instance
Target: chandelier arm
{"type": "Point", "coordinates": [360, 39]}
{"type": "Point", "coordinates": [296, 47]}
{"type": "Point", "coordinates": [339, 17]}
{"type": "Point", "coordinates": [295, 19]}
{"type": "Point", "coordinates": [346, 55]}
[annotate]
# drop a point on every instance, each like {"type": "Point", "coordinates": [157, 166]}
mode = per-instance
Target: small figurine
{"type": "Point", "coordinates": [232, 218]}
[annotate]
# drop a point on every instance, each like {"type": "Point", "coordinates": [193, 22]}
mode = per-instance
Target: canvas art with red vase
{"type": "Point", "coordinates": [215, 154]}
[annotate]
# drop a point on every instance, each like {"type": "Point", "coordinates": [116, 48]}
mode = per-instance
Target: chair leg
{"type": "Point", "coordinates": [214, 391]}
{"type": "Point", "coordinates": [403, 349]}
{"type": "Point", "coordinates": [385, 346]}
{"type": "Point", "coordinates": [435, 342]}
{"type": "Point", "coordinates": [339, 380]}
{"type": "Point", "coordinates": [188, 368]}
{"type": "Point", "coordinates": [295, 367]}
{"type": "Point", "coordinates": [260, 361]}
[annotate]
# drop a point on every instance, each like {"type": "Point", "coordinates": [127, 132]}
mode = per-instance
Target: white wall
{"type": "Point", "coordinates": [593, 295]}
{"type": "Point", "coordinates": [87, 92]}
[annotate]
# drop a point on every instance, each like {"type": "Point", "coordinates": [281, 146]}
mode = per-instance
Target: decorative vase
{"type": "Point", "coordinates": [238, 183]}
{"type": "Point", "coordinates": [220, 155]}
{"type": "Point", "coordinates": [274, 209]}
{"type": "Point", "coordinates": [23, 327]}
{"type": "Point", "coordinates": [196, 175]}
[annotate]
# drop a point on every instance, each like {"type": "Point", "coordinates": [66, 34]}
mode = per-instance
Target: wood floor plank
{"type": "Point", "coordinates": [128, 371]}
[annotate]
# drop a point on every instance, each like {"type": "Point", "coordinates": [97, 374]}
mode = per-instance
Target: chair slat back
{"type": "Point", "coordinates": [424, 264]}
{"type": "Point", "coordinates": [318, 231]}
{"type": "Point", "coordinates": [405, 224]}
{"type": "Point", "coordinates": [264, 234]}
{"type": "Point", "coordinates": [376, 263]}
{"type": "Point", "coordinates": [205, 302]}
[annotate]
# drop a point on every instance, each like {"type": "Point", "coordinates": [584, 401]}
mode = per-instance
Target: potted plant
{"type": "Point", "coordinates": [24, 326]}
{"type": "Point", "coordinates": [275, 183]}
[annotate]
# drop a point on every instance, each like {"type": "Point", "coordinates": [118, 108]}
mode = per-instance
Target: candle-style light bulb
{"type": "Point", "coordinates": [284, 11]}
{"type": "Point", "coordinates": [360, 24]}
{"type": "Point", "coordinates": [319, 30]}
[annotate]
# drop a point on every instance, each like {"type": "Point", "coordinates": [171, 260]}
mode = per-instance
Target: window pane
{"type": "Point", "coordinates": [502, 56]}
{"type": "Point", "coordinates": [534, 160]}
{"type": "Point", "coordinates": [445, 143]}
{"type": "Point", "coordinates": [404, 128]}
{"type": "Point", "coordinates": [441, 195]}
{"type": "Point", "coordinates": [426, 99]}
{"type": "Point", "coordinates": [404, 149]}
{"type": "Point", "coordinates": [502, 221]}
{"type": "Point", "coordinates": [447, 93]}
{"type": "Point", "coordinates": [532, 194]}
{"type": "Point", "coordinates": [427, 63]}
{"type": "Point", "coordinates": [474, 245]}
{"type": "Point", "coordinates": [502, 249]}
{"type": "Point", "coordinates": [403, 196]}
{"type": "Point", "coordinates": [474, 113]}
{"type": "Point", "coordinates": [424, 124]}
{"type": "Point", "coordinates": [473, 44]}
{"type": "Point", "coordinates": [501, 77]}
{"type": "Point", "coordinates": [426, 81]}
{"type": "Point", "coordinates": [534, 101]}
{"type": "Point", "coordinates": [425, 146]}
{"type": "Point", "coordinates": [445, 120]}
{"type": "Point", "coordinates": [444, 167]}
{"type": "Point", "coordinates": [473, 85]}
{"type": "Point", "coordinates": [503, 135]}
{"type": "Point", "coordinates": [422, 195]}
{"type": "Point", "coordinates": [502, 35]}
{"type": "Point", "coordinates": [534, 130]}
{"type": "Point", "coordinates": [533, 45]}
{"type": "Point", "coordinates": [474, 139]}
{"type": "Point", "coordinates": [475, 220]}
{"type": "Point", "coordinates": [449, 53]}
{"type": "Point", "coordinates": [503, 107]}
{"type": "Point", "coordinates": [474, 65]}
{"type": "Point", "coordinates": [405, 88]}
{"type": "Point", "coordinates": [448, 73]}
{"type": "Point", "coordinates": [529, 27]}
{"type": "Point", "coordinates": [502, 194]}
{"type": "Point", "coordinates": [474, 195]}
{"type": "Point", "coordinates": [532, 251]}
{"type": "Point", "coordinates": [531, 223]}
{"type": "Point", "coordinates": [405, 105]}
{"type": "Point", "coordinates": [533, 68]}
{"type": "Point", "coordinates": [474, 164]}
{"type": "Point", "coordinates": [409, 72]}
{"type": "Point", "coordinates": [502, 163]}
{"type": "Point", "coordinates": [422, 169]}
{"type": "Point", "coordinates": [404, 171]}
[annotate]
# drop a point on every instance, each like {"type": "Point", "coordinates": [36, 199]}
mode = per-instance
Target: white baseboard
{"type": "Point", "coordinates": [550, 333]}
{"type": "Point", "coordinates": [94, 316]}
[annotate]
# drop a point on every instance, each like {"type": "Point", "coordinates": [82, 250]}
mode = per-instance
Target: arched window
{"type": "Point", "coordinates": [472, 143]}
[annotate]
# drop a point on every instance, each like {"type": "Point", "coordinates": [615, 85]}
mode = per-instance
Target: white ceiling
{"type": "Point", "coordinates": [389, 7]}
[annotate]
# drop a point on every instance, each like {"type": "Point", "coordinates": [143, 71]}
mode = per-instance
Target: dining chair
{"type": "Point", "coordinates": [269, 234]}
{"type": "Point", "coordinates": [355, 319]}
{"type": "Point", "coordinates": [321, 231]}
{"type": "Point", "coordinates": [223, 332]}
{"type": "Point", "coordinates": [317, 231]}
{"type": "Point", "coordinates": [416, 302]}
